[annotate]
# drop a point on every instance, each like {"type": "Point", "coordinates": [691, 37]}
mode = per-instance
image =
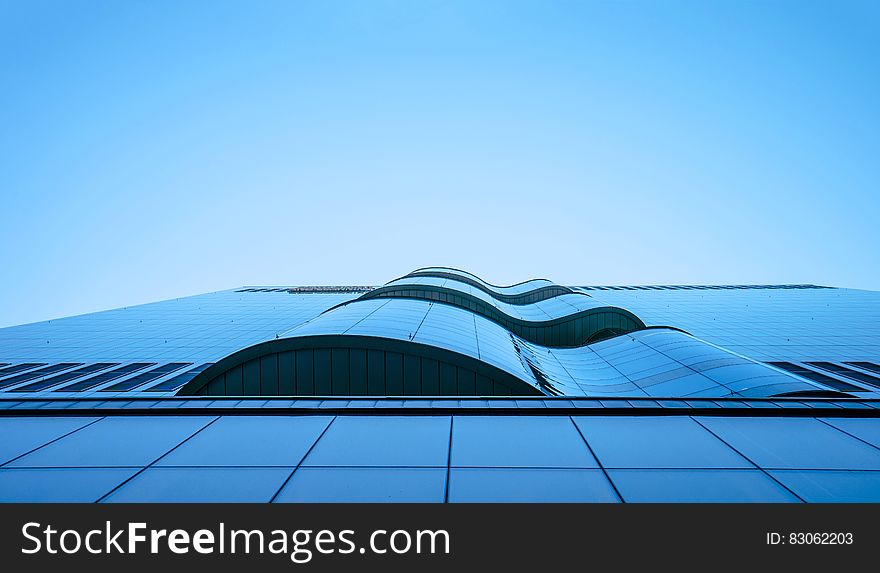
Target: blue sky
{"type": "Point", "coordinates": [150, 150]}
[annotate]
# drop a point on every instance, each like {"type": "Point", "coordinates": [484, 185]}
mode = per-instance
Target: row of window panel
{"type": "Point", "coordinates": [15, 368]}
{"type": "Point", "coordinates": [38, 373]}
{"type": "Point", "coordinates": [645, 370]}
{"type": "Point", "coordinates": [439, 441]}
{"type": "Point", "coordinates": [470, 405]}
{"type": "Point", "coordinates": [706, 287]}
{"type": "Point", "coordinates": [81, 377]}
{"type": "Point", "coordinates": [429, 485]}
{"type": "Point", "coordinates": [828, 380]}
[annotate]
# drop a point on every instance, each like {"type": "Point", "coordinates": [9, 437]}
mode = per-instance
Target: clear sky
{"type": "Point", "coordinates": [150, 150]}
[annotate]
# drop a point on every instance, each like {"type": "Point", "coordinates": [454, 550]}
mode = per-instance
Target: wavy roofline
{"type": "Point", "coordinates": [470, 274]}
{"type": "Point", "coordinates": [526, 297]}
{"type": "Point", "coordinates": [517, 325]}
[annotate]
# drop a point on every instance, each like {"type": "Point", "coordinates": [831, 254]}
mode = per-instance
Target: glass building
{"type": "Point", "coordinates": [441, 387]}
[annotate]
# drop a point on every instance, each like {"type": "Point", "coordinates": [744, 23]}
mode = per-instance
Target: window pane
{"type": "Point", "coordinates": [385, 441]}
{"type": "Point", "coordinates": [867, 429]}
{"type": "Point", "coordinates": [116, 441]}
{"type": "Point", "coordinates": [529, 485]}
{"type": "Point", "coordinates": [176, 485]}
{"type": "Point", "coordinates": [250, 440]}
{"type": "Point", "coordinates": [703, 486]}
{"type": "Point", "coordinates": [832, 486]}
{"type": "Point", "coordinates": [21, 435]}
{"type": "Point", "coordinates": [60, 484]}
{"type": "Point", "coordinates": [794, 443]}
{"type": "Point", "coordinates": [523, 441]}
{"type": "Point", "coordinates": [656, 442]}
{"type": "Point", "coordinates": [365, 485]}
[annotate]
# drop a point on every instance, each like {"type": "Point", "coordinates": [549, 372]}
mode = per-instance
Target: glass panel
{"type": "Point", "coordinates": [250, 441]}
{"type": "Point", "coordinates": [365, 485]}
{"type": "Point", "coordinates": [64, 377]}
{"type": "Point", "coordinates": [686, 386]}
{"type": "Point", "coordinates": [116, 441]}
{"type": "Point", "coordinates": [176, 485]}
{"type": "Point", "coordinates": [21, 435]}
{"type": "Point", "coordinates": [385, 441]}
{"type": "Point", "coordinates": [141, 379]}
{"type": "Point", "coordinates": [817, 377]}
{"type": "Point", "coordinates": [867, 429]}
{"type": "Point", "coordinates": [523, 441]}
{"type": "Point", "coordinates": [656, 442]}
{"type": "Point", "coordinates": [832, 486]}
{"type": "Point", "coordinates": [99, 379]}
{"type": "Point", "coordinates": [529, 485]}
{"type": "Point", "coordinates": [27, 376]}
{"type": "Point", "coordinates": [59, 485]}
{"type": "Point", "coordinates": [702, 486]}
{"type": "Point", "coordinates": [179, 380]}
{"type": "Point", "coordinates": [848, 372]}
{"type": "Point", "coordinates": [10, 370]}
{"type": "Point", "coordinates": [795, 443]}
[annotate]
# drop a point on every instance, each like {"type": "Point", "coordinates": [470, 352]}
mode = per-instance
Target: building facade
{"type": "Point", "coordinates": [441, 387]}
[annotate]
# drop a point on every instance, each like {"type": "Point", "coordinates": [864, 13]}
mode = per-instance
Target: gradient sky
{"type": "Point", "coordinates": [150, 150]}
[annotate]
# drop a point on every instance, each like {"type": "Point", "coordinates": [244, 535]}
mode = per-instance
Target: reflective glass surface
{"type": "Point", "coordinates": [116, 441]}
{"type": "Point", "coordinates": [486, 485]}
{"type": "Point", "coordinates": [518, 288]}
{"type": "Point", "coordinates": [195, 329]}
{"type": "Point", "coordinates": [249, 441]}
{"type": "Point", "coordinates": [540, 311]}
{"type": "Point", "coordinates": [863, 429]}
{"type": "Point", "coordinates": [766, 324]}
{"type": "Point", "coordinates": [406, 458]}
{"type": "Point", "coordinates": [19, 435]}
{"type": "Point", "coordinates": [812, 443]}
{"type": "Point", "coordinates": [383, 441]}
{"type": "Point", "coordinates": [60, 485]}
{"type": "Point", "coordinates": [526, 441]}
{"type": "Point", "coordinates": [803, 325]}
{"type": "Point", "coordinates": [195, 485]}
{"type": "Point", "coordinates": [365, 485]}
{"type": "Point", "coordinates": [668, 442]}
{"type": "Point", "coordinates": [704, 486]}
{"type": "Point", "coordinates": [802, 443]}
{"type": "Point", "coordinates": [832, 486]}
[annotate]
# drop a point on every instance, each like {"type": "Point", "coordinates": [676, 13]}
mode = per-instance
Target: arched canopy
{"type": "Point", "coordinates": [532, 290]}
{"type": "Point", "coordinates": [338, 365]}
